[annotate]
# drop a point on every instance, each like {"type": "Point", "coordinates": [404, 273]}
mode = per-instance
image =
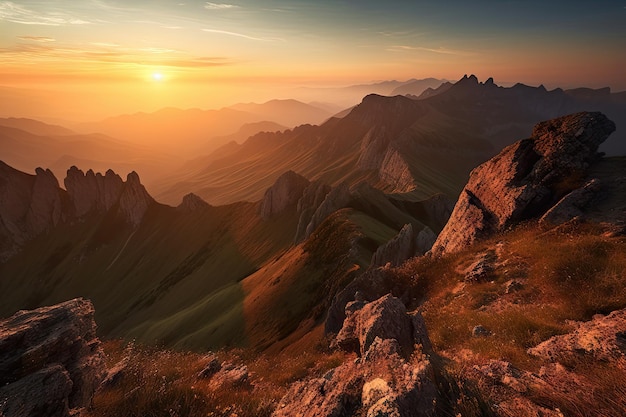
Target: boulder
{"type": "Point", "coordinates": [50, 360]}
{"type": "Point", "coordinates": [386, 318]}
{"type": "Point", "coordinates": [602, 338]}
{"type": "Point", "coordinates": [526, 179]}
{"type": "Point", "coordinates": [572, 205]}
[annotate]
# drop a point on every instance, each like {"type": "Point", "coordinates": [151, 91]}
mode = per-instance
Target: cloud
{"type": "Point", "coordinates": [103, 53]}
{"type": "Point", "coordinates": [239, 35]}
{"type": "Point", "coordinates": [15, 13]}
{"type": "Point", "coordinates": [440, 50]}
{"type": "Point", "coordinates": [219, 6]}
{"type": "Point", "coordinates": [36, 38]}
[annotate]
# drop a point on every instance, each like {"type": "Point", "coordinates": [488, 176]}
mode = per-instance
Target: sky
{"type": "Point", "coordinates": [102, 57]}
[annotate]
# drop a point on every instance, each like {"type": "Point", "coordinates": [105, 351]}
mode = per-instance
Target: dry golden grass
{"type": "Point", "coordinates": [567, 273]}
{"type": "Point", "coordinates": [164, 383]}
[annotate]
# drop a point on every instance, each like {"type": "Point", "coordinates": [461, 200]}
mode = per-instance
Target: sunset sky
{"type": "Point", "coordinates": [212, 54]}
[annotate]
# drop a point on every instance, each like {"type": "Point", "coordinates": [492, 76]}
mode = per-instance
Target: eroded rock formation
{"type": "Point", "coordinates": [51, 361]}
{"type": "Point", "coordinates": [285, 192]}
{"type": "Point", "coordinates": [29, 205]}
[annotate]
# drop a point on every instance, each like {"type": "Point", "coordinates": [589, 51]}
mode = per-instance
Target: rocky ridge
{"type": "Point", "coordinates": [97, 193]}
{"type": "Point", "coordinates": [33, 204]}
{"type": "Point", "coordinates": [526, 179]}
{"type": "Point", "coordinates": [29, 205]}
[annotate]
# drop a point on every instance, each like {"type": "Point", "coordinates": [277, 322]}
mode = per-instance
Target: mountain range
{"type": "Point", "coordinates": [454, 251]}
{"type": "Point", "coordinates": [397, 144]}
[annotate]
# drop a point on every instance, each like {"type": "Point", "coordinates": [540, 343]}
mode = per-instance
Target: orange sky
{"type": "Point", "coordinates": [96, 58]}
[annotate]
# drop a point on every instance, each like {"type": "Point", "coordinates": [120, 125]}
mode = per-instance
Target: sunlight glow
{"type": "Point", "coordinates": [157, 76]}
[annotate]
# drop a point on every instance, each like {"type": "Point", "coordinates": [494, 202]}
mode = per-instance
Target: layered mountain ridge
{"type": "Point", "coordinates": [397, 144]}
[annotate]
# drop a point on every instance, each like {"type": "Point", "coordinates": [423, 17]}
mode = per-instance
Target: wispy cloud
{"type": "Point", "coordinates": [240, 35]}
{"type": "Point", "coordinates": [104, 53]}
{"type": "Point", "coordinates": [440, 50]}
{"type": "Point", "coordinates": [15, 13]}
{"type": "Point", "coordinates": [36, 38]}
{"type": "Point", "coordinates": [219, 6]}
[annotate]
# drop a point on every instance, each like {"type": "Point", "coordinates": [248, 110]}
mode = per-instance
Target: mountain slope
{"type": "Point", "coordinates": [194, 275]}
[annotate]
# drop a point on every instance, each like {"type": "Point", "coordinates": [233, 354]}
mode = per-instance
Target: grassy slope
{"type": "Point", "coordinates": [568, 273]}
{"type": "Point", "coordinates": [175, 280]}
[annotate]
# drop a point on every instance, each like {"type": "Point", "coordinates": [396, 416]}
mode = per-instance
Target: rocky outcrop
{"type": "Point", "coordinates": [311, 199]}
{"type": "Point", "coordinates": [386, 318]}
{"type": "Point", "coordinates": [50, 360]}
{"type": "Point", "coordinates": [96, 193]}
{"type": "Point", "coordinates": [396, 173]}
{"type": "Point", "coordinates": [286, 192]}
{"type": "Point", "coordinates": [371, 285]}
{"type": "Point", "coordinates": [526, 179]}
{"type": "Point", "coordinates": [603, 339]}
{"type": "Point", "coordinates": [134, 200]}
{"type": "Point", "coordinates": [405, 245]}
{"type": "Point", "coordinates": [391, 378]}
{"type": "Point", "coordinates": [191, 203]}
{"type": "Point", "coordinates": [29, 205]}
{"type": "Point", "coordinates": [336, 199]}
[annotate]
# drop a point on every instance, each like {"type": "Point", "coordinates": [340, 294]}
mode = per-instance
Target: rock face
{"type": "Point", "coordinates": [406, 244]}
{"type": "Point", "coordinates": [526, 179]}
{"type": "Point", "coordinates": [390, 378]}
{"type": "Point", "coordinates": [50, 360]}
{"type": "Point", "coordinates": [285, 192]}
{"type": "Point", "coordinates": [97, 193]}
{"type": "Point", "coordinates": [33, 204]}
{"type": "Point", "coordinates": [337, 198]}
{"type": "Point", "coordinates": [311, 199]}
{"type": "Point", "coordinates": [29, 205]}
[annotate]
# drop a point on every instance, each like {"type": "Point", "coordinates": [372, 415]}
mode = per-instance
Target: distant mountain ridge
{"type": "Point", "coordinates": [187, 132]}
{"type": "Point", "coordinates": [397, 144]}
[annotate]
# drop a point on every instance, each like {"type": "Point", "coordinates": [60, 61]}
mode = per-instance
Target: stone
{"type": "Point", "coordinates": [386, 318]}
{"type": "Point", "coordinates": [526, 179]}
{"type": "Point", "coordinates": [483, 267]}
{"type": "Point", "coordinates": [572, 205]}
{"type": "Point", "coordinates": [212, 367]}
{"type": "Point", "coordinates": [481, 331]}
{"type": "Point", "coordinates": [602, 338]}
{"type": "Point", "coordinates": [50, 357]}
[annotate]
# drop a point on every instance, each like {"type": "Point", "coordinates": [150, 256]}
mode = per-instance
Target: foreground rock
{"type": "Point", "coordinates": [526, 179]}
{"type": "Point", "coordinates": [50, 360]}
{"type": "Point", "coordinates": [396, 375]}
{"type": "Point", "coordinates": [603, 339]}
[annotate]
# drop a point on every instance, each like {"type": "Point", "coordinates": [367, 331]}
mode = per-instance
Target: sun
{"type": "Point", "coordinates": [157, 76]}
